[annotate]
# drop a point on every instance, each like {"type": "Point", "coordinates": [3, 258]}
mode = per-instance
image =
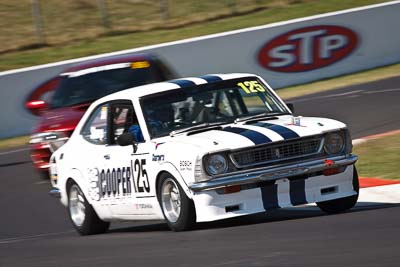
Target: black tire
{"type": "Point", "coordinates": [89, 223]}
{"type": "Point", "coordinates": [342, 204]}
{"type": "Point", "coordinates": [186, 218]}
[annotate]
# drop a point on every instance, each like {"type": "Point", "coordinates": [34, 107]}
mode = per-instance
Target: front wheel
{"type": "Point", "coordinates": [342, 204]}
{"type": "Point", "coordinates": [82, 214]}
{"type": "Point", "coordinates": [178, 209]}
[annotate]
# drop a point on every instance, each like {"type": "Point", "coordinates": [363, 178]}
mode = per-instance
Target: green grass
{"type": "Point", "coordinates": [379, 157]}
{"type": "Point", "coordinates": [73, 28]}
{"type": "Point", "coordinates": [14, 142]}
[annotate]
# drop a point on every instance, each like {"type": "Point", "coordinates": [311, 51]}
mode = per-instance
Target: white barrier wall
{"type": "Point", "coordinates": [287, 53]}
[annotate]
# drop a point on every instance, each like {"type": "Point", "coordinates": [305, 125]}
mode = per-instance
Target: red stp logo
{"type": "Point", "coordinates": [308, 48]}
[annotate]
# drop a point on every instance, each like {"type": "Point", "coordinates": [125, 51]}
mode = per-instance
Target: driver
{"type": "Point", "coordinates": [158, 119]}
{"type": "Point", "coordinates": [136, 133]}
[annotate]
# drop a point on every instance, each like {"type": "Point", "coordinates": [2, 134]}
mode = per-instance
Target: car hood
{"type": "Point", "coordinates": [61, 119]}
{"type": "Point", "coordinates": [240, 135]}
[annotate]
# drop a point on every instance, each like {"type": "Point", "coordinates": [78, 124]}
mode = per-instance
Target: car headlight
{"type": "Point", "coordinates": [334, 143]}
{"type": "Point", "coordinates": [216, 164]}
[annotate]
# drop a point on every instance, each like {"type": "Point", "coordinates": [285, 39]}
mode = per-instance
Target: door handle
{"type": "Point", "coordinates": [107, 156]}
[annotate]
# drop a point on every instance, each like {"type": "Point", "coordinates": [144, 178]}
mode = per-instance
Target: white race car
{"type": "Point", "coordinates": [200, 149]}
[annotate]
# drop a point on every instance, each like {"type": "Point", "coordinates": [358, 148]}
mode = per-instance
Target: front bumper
{"type": "Point", "coordinates": [274, 173]}
{"type": "Point", "coordinates": [211, 205]}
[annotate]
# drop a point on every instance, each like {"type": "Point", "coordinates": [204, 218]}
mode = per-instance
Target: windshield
{"type": "Point", "coordinates": [86, 86]}
{"type": "Point", "coordinates": [208, 104]}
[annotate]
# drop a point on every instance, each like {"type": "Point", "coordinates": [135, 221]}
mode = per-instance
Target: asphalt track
{"type": "Point", "coordinates": [35, 231]}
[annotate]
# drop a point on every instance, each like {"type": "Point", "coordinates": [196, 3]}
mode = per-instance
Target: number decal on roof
{"type": "Point", "coordinates": [250, 87]}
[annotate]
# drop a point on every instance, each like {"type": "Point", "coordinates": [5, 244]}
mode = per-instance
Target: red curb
{"type": "Point", "coordinates": [371, 182]}
{"type": "Point", "coordinates": [376, 136]}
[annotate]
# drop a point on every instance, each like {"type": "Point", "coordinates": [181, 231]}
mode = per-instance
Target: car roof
{"type": "Point", "coordinates": [153, 88]}
{"type": "Point", "coordinates": [110, 60]}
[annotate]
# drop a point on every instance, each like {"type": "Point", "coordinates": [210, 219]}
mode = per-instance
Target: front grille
{"type": "Point", "coordinates": [277, 152]}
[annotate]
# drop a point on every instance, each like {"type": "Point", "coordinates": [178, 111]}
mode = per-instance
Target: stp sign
{"type": "Point", "coordinates": [308, 48]}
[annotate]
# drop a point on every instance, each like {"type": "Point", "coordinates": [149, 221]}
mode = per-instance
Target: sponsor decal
{"type": "Point", "coordinates": [295, 121]}
{"type": "Point", "coordinates": [308, 48]}
{"type": "Point", "coordinates": [158, 157]}
{"type": "Point", "coordinates": [119, 182]}
{"type": "Point", "coordinates": [143, 206]}
{"type": "Point", "coordinates": [185, 165]}
{"type": "Point", "coordinates": [115, 182]}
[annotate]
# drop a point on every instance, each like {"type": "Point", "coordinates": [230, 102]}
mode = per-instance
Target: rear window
{"type": "Point", "coordinates": [88, 85]}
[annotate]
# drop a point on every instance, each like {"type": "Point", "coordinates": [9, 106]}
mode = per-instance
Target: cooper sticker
{"type": "Point", "coordinates": [115, 182]}
{"type": "Point", "coordinates": [119, 182]}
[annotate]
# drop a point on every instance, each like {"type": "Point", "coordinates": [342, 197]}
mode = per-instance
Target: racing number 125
{"type": "Point", "coordinates": [251, 87]}
{"type": "Point", "coordinates": [141, 180]}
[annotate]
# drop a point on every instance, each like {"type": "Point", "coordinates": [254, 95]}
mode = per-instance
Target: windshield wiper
{"type": "Point", "coordinates": [199, 127]}
{"type": "Point", "coordinates": [260, 116]}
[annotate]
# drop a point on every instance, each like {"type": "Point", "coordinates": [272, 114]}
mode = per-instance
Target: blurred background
{"type": "Point", "coordinates": [79, 28]}
{"type": "Point", "coordinates": [26, 24]}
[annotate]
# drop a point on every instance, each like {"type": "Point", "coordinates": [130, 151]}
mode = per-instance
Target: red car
{"type": "Point", "coordinates": [61, 101]}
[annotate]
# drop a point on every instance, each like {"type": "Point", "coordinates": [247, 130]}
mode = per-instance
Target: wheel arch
{"type": "Point", "coordinates": [169, 168]}
{"type": "Point", "coordinates": [73, 176]}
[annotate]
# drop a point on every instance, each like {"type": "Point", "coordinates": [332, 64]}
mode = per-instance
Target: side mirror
{"type": "Point", "coordinates": [127, 139]}
{"type": "Point", "coordinates": [290, 106]}
{"type": "Point", "coordinates": [36, 106]}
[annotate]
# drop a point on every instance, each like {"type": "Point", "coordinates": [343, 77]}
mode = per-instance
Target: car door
{"type": "Point", "coordinates": [95, 134]}
{"type": "Point", "coordinates": [129, 165]}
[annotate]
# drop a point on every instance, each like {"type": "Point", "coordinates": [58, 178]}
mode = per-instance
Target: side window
{"type": "Point", "coordinates": [95, 129]}
{"type": "Point", "coordinates": [224, 106]}
{"type": "Point", "coordinates": [123, 118]}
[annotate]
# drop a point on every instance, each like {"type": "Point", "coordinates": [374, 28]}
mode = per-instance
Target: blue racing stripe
{"type": "Point", "coordinates": [298, 192]}
{"type": "Point", "coordinates": [183, 83]}
{"type": "Point", "coordinates": [211, 78]}
{"type": "Point", "coordinates": [269, 195]}
{"type": "Point", "coordinates": [256, 137]}
{"type": "Point", "coordinates": [285, 132]}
